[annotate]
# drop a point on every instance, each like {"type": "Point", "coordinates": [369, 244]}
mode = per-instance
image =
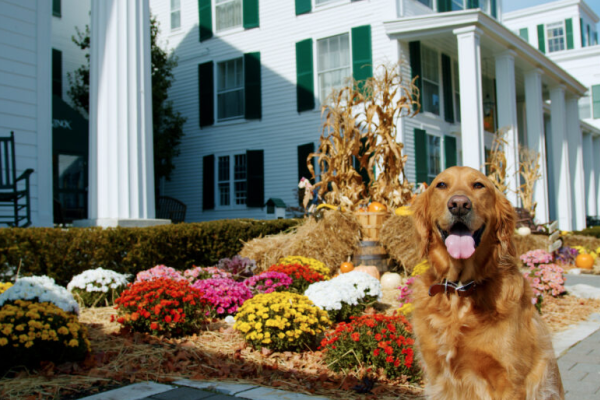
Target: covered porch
{"type": "Point", "coordinates": [477, 77]}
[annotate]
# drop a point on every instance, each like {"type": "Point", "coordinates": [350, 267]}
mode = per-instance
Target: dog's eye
{"type": "Point", "coordinates": [478, 185]}
{"type": "Point", "coordinates": [441, 185]}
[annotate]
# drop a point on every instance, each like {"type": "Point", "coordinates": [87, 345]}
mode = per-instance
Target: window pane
{"type": "Point", "coordinates": [431, 97]}
{"type": "Point", "coordinates": [333, 63]}
{"type": "Point", "coordinates": [240, 192]}
{"type": "Point", "coordinates": [434, 154]}
{"type": "Point", "coordinates": [426, 2]}
{"type": "Point", "coordinates": [556, 36]}
{"type": "Point", "coordinates": [230, 89]}
{"type": "Point", "coordinates": [457, 5]}
{"type": "Point", "coordinates": [430, 64]}
{"type": "Point", "coordinates": [240, 167]}
{"type": "Point", "coordinates": [175, 5]}
{"type": "Point", "coordinates": [224, 194]}
{"type": "Point", "coordinates": [229, 14]}
{"type": "Point", "coordinates": [585, 111]}
{"type": "Point", "coordinates": [175, 19]}
{"type": "Point", "coordinates": [223, 168]}
{"type": "Point", "coordinates": [321, 2]}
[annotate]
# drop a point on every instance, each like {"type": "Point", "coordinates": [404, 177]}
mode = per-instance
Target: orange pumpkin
{"type": "Point", "coordinates": [346, 267]}
{"type": "Point", "coordinates": [369, 269]}
{"type": "Point", "coordinates": [376, 206]}
{"type": "Point", "coordinates": [584, 261]}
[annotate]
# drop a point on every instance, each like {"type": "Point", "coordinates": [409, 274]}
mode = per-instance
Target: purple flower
{"type": "Point", "coordinates": [223, 294]}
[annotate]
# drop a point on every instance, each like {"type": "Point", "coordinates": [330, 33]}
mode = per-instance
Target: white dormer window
{"type": "Point", "coordinates": [175, 14]}
{"type": "Point", "coordinates": [556, 36]}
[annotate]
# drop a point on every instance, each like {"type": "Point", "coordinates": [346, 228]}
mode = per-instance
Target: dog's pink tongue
{"type": "Point", "coordinates": [460, 246]}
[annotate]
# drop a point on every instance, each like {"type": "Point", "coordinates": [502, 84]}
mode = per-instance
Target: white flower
{"type": "Point", "coordinates": [42, 289]}
{"type": "Point", "coordinates": [98, 280]}
{"type": "Point", "coordinates": [349, 288]}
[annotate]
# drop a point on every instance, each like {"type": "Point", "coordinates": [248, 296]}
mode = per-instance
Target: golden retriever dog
{"type": "Point", "coordinates": [477, 331]}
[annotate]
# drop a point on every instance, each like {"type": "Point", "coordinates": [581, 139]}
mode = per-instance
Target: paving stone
{"type": "Point", "coordinates": [580, 396]}
{"type": "Point", "coordinates": [573, 376]}
{"type": "Point", "coordinates": [563, 341]}
{"type": "Point", "coordinates": [264, 393]}
{"type": "Point", "coordinates": [221, 387]}
{"type": "Point", "coordinates": [565, 365]}
{"type": "Point", "coordinates": [592, 376]}
{"type": "Point", "coordinates": [183, 394]}
{"type": "Point", "coordinates": [581, 387]}
{"type": "Point", "coordinates": [587, 367]}
{"type": "Point", "coordinates": [136, 391]}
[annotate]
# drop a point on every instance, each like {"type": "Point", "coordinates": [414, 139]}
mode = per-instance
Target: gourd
{"type": "Point", "coordinates": [376, 206]}
{"type": "Point", "coordinates": [369, 269]}
{"type": "Point", "coordinates": [584, 261]}
{"type": "Point", "coordinates": [346, 267]}
{"type": "Point", "coordinates": [391, 280]}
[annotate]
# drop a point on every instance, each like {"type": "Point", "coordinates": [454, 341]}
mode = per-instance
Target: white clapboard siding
{"type": "Point", "coordinates": [25, 95]}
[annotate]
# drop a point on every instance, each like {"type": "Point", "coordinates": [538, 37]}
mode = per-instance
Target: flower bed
{"type": "Point", "coordinates": [40, 289]}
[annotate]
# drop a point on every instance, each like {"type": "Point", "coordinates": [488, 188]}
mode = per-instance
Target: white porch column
{"type": "Point", "coordinates": [471, 98]}
{"type": "Point", "coordinates": [121, 181]}
{"type": "Point", "coordinates": [560, 159]}
{"type": "Point", "coordinates": [536, 139]}
{"type": "Point", "coordinates": [573, 141]}
{"type": "Point", "coordinates": [506, 97]}
{"type": "Point", "coordinates": [596, 141]}
{"type": "Point", "coordinates": [589, 174]}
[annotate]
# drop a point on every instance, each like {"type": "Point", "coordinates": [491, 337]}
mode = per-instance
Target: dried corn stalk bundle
{"type": "Point", "coordinates": [529, 168]}
{"type": "Point", "coordinates": [496, 162]}
{"type": "Point", "coordinates": [360, 127]}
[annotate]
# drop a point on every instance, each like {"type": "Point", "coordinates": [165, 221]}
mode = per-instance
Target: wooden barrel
{"type": "Point", "coordinates": [370, 223]}
{"type": "Point", "coordinates": [371, 252]}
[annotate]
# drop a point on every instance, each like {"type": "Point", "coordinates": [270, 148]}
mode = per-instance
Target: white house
{"type": "Point", "coordinates": [566, 32]}
{"type": "Point", "coordinates": [25, 95]}
{"type": "Point", "coordinates": [252, 75]}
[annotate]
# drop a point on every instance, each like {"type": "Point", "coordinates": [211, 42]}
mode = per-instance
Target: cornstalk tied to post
{"type": "Point", "coordinates": [529, 169]}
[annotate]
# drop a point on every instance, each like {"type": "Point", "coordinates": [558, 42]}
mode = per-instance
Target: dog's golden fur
{"type": "Point", "coordinates": [493, 344]}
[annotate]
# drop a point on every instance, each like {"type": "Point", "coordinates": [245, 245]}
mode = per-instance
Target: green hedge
{"type": "Point", "coordinates": [63, 253]}
{"type": "Point", "coordinates": [593, 231]}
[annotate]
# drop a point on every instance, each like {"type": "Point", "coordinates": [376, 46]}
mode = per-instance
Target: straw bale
{"type": "Point", "coordinates": [399, 238]}
{"type": "Point", "coordinates": [331, 240]}
{"type": "Point", "coordinates": [581, 240]}
{"type": "Point", "coordinates": [527, 243]}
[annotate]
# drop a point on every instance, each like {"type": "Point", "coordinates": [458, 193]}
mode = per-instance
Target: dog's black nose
{"type": "Point", "coordinates": [459, 205]}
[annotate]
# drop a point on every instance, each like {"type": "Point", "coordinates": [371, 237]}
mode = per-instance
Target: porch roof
{"type": "Point", "coordinates": [494, 34]}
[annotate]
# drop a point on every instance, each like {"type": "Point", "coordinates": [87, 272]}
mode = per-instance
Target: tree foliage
{"type": "Point", "coordinates": [167, 123]}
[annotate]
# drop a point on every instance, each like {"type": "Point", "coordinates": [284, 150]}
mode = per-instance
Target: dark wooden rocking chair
{"type": "Point", "coordinates": [11, 198]}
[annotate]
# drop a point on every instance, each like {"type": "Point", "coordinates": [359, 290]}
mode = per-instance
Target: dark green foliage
{"type": "Point", "coordinates": [593, 231]}
{"type": "Point", "coordinates": [167, 123]}
{"type": "Point", "coordinates": [63, 253]}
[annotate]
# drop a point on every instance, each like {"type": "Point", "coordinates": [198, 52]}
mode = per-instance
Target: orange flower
{"type": "Point", "coordinates": [154, 326]}
{"type": "Point", "coordinates": [135, 316]}
{"type": "Point", "coordinates": [355, 336]}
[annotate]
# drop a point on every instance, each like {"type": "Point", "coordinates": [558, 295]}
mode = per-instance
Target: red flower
{"type": "Point", "coordinates": [135, 316]}
{"type": "Point", "coordinates": [388, 350]}
{"type": "Point", "coordinates": [120, 320]}
{"type": "Point", "coordinates": [168, 319]}
{"type": "Point", "coordinates": [378, 337]}
{"type": "Point", "coordinates": [376, 352]}
{"type": "Point", "coordinates": [154, 326]}
{"type": "Point", "coordinates": [389, 359]}
{"type": "Point", "coordinates": [355, 336]}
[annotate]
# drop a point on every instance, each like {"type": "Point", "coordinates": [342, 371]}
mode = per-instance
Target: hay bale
{"type": "Point", "coordinates": [523, 244]}
{"type": "Point", "coordinates": [400, 240]}
{"type": "Point", "coordinates": [590, 242]}
{"type": "Point", "coordinates": [331, 240]}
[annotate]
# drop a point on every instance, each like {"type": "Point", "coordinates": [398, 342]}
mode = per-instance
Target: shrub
{"type": "Point", "coordinates": [345, 295]}
{"type": "Point", "coordinates": [161, 306]}
{"type": "Point", "coordinates": [63, 253]}
{"type": "Point", "coordinates": [301, 275]}
{"type": "Point", "coordinates": [31, 332]}
{"type": "Point", "coordinates": [281, 321]}
{"type": "Point", "coordinates": [97, 286]}
{"type": "Point", "coordinates": [196, 273]}
{"type": "Point", "coordinates": [378, 341]}
{"type": "Point", "coordinates": [311, 263]}
{"type": "Point", "coordinates": [4, 286]}
{"type": "Point", "coordinates": [543, 276]}
{"type": "Point", "coordinates": [223, 295]}
{"type": "Point", "coordinates": [268, 282]}
{"type": "Point", "coordinates": [239, 267]}
{"type": "Point", "coordinates": [40, 289]}
{"type": "Point", "coordinates": [593, 231]}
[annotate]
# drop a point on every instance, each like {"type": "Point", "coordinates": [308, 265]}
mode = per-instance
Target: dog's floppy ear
{"type": "Point", "coordinates": [422, 222]}
{"type": "Point", "coordinates": [505, 219]}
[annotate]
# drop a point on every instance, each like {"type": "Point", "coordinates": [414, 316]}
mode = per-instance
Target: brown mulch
{"type": "Point", "coordinates": [559, 313]}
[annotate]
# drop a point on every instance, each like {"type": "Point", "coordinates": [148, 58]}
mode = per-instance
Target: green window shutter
{"type": "Point", "coordinates": [208, 182]}
{"type": "Point", "coordinates": [494, 7]}
{"type": "Point", "coordinates": [362, 55]}
{"type": "Point", "coordinates": [443, 5]}
{"type": "Point", "coordinates": [450, 151]}
{"type": "Point", "coordinates": [524, 34]}
{"type": "Point", "coordinates": [252, 89]}
{"type": "Point", "coordinates": [250, 8]}
{"type": "Point", "coordinates": [447, 89]}
{"type": "Point", "coordinates": [596, 101]}
{"type": "Point", "coordinates": [305, 92]}
{"type": "Point", "coordinates": [207, 94]}
{"type": "Point", "coordinates": [421, 155]}
{"type": "Point", "coordinates": [582, 31]}
{"type": "Point", "coordinates": [415, 64]}
{"type": "Point", "coordinates": [303, 152]}
{"type": "Point", "coordinates": [303, 6]}
{"type": "Point", "coordinates": [56, 8]}
{"type": "Point", "coordinates": [471, 4]}
{"type": "Point", "coordinates": [57, 73]}
{"type": "Point", "coordinates": [205, 15]}
{"type": "Point", "coordinates": [569, 28]}
{"type": "Point", "coordinates": [255, 181]}
{"type": "Point", "coordinates": [541, 38]}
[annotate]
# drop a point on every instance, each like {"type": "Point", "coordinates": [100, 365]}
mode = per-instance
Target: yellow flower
{"type": "Point", "coordinates": [73, 343]}
{"type": "Point", "coordinates": [4, 286]}
{"type": "Point", "coordinates": [420, 268]}
{"type": "Point", "coordinates": [406, 308]}
{"type": "Point", "coordinates": [3, 341]}
{"type": "Point", "coordinates": [63, 330]}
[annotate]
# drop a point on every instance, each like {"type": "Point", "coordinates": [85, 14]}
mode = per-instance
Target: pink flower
{"type": "Point", "coordinates": [268, 282]}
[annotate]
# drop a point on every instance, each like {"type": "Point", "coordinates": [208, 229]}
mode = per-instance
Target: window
{"type": "Point", "coordinates": [596, 101]}
{"type": "Point", "coordinates": [229, 183]}
{"type": "Point", "coordinates": [175, 14]}
{"type": "Point", "coordinates": [322, 2]}
{"type": "Point", "coordinates": [434, 157]}
{"type": "Point", "coordinates": [228, 14]}
{"type": "Point", "coordinates": [426, 2]}
{"type": "Point", "coordinates": [57, 73]}
{"type": "Point", "coordinates": [456, 5]}
{"type": "Point", "coordinates": [456, 91]}
{"type": "Point", "coordinates": [431, 80]}
{"type": "Point", "coordinates": [333, 64]}
{"type": "Point", "coordinates": [230, 89]}
{"type": "Point", "coordinates": [56, 8]}
{"type": "Point", "coordinates": [556, 36]}
{"type": "Point", "coordinates": [585, 110]}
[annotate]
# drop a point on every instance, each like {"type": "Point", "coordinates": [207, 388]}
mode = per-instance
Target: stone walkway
{"type": "Point", "coordinates": [577, 349]}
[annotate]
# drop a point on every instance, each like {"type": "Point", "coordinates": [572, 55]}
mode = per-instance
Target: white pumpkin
{"type": "Point", "coordinates": [391, 280]}
{"type": "Point", "coordinates": [524, 231]}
